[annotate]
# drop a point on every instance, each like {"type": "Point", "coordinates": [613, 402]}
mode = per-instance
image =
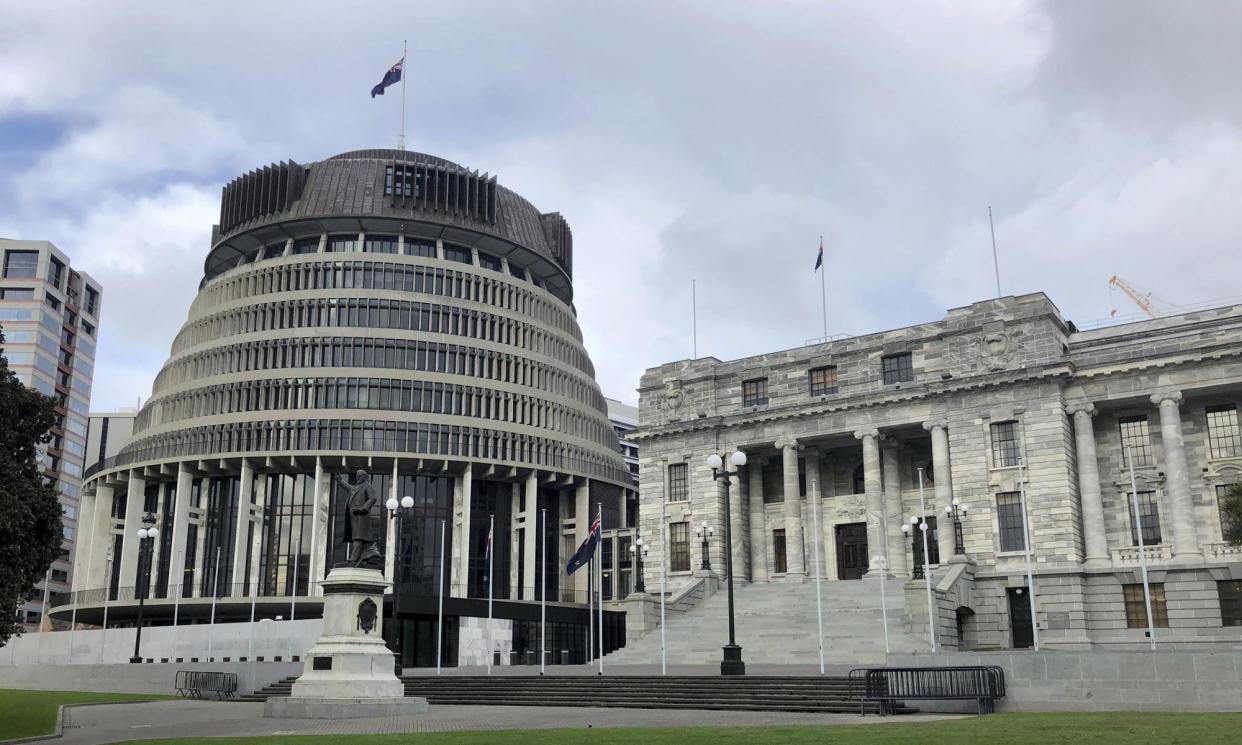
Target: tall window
{"type": "Point", "coordinates": [426, 249]}
{"type": "Point", "coordinates": [285, 541]}
{"type": "Point", "coordinates": [1223, 439]}
{"type": "Point", "coordinates": [755, 392]}
{"type": "Point", "coordinates": [897, 368]}
{"type": "Point", "coordinates": [779, 565]}
{"type": "Point", "coordinates": [487, 261]}
{"type": "Point", "coordinates": [1221, 491]}
{"type": "Point", "coordinates": [1009, 519]}
{"type": "Point", "coordinates": [92, 300]}
{"type": "Point", "coordinates": [823, 380]}
{"type": "Point", "coordinates": [457, 253]}
{"type": "Point", "coordinates": [419, 535]}
{"type": "Point", "coordinates": [1134, 435]}
{"type": "Point", "coordinates": [380, 244]}
{"type": "Point", "coordinates": [1150, 513]}
{"type": "Point", "coordinates": [306, 246]}
{"type": "Point", "coordinates": [773, 483]}
{"type": "Point", "coordinates": [1136, 607]}
{"type": "Point", "coordinates": [1230, 592]}
{"type": "Point", "coordinates": [342, 243]}
{"type": "Point", "coordinates": [678, 486]}
{"type": "Point", "coordinates": [1004, 444]}
{"type": "Point", "coordinates": [679, 547]}
{"type": "Point", "coordinates": [488, 499]}
{"type": "Point", "coordinates": [20, 264]}
{"type": "Point", "coordinates": [221, 520]}
{"type": "Point", "coordinates": [56, 273]}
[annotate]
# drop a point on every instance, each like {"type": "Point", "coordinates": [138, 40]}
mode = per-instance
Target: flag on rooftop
{"type": "Point", "coordinates": [819, 260]}
{"type": "Point", "coordinates": [391, 77]}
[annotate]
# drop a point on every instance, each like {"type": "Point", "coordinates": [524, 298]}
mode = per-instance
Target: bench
{"type": "Point", "coordinates": [888, 685]}
{"type": "Point", "coordinates": [194, 683]}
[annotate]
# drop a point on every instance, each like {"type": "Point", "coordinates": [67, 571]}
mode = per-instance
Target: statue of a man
{"type": "Point", "coordinates": [359, 529]}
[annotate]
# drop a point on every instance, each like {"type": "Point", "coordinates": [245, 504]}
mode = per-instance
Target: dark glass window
{"type": "Point", "coordinates": [897, 368]}
{"type": "Point", "coordinates": [773, 482]}
{"type": "Point", "coordinates": [516, 271]}
{"type": "Point", "coordinates": [420, 248]}
{"type": "Point", "coordinates": [20, 264]}
{"type": "Point", "coordinates": [1136, 606]}
{"type": "Point", "coordinates": [419, 534]}
{"type": "Point", "coordinates": [679, 547]}
{"type": "Point", "coordinates": [550, 500]}
{"type": "Point", "coordinates": [284, 548]}
{"type": "Point", "coordinates": [487, 261]}
{"type": "Point", "coordinates": [1230, 592]}
{"type": "Point", "coordinates": [1222, 423]}
{"type": "Point", "coordinates": [1009, 519]}
{"type": "Point", "coordinates": [823, 380]}
{"type": "Point", "coordinates": [488, 500]}
{"type": "Point", "coordinates": [380, 244]}
{"type": "Point", "coordinates": [16, 293]}
{"type": "Point", "coordinates": [274, 251]}
{"type": "Point", "coordinates": [165, 539]}
{"type": "Point", "coordinates": [338, 549]}
{"type": "Point", "coordinates": [1221, 491]}
{"type": "Point", "coordinates": [755, 392]}
{"type": "Point", "coordinates": [92, 300]}
{"type": "Point", "coordinates": [305, 246]}
{"type": "Point", "coordinates": [778, 551]}
{"type": "Point", "coordinates": [191, 538]}
{"type": "Point", "coordinates": [342, 243]}
{"type": "Point", "coordinates": [457, 253]}
{"type": "Point", "coordinates": [220, 524]}
{"type": "Point", "coordinates": [1150, 512]}
{"type": "Point", "coordinates": [1135, 437]}
{"type": "Point", "coordinates": [1004, 444]}
{"type": "Point", "coordinates": [56, 273]}
{"type": "Point", "coordinates": [678, 482]}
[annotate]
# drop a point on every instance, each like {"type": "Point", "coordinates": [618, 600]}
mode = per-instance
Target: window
{"type": "Point", "coordinates": [305, 246]}
{"type": "Point", "coordinates": [51, 301]}
{"type": "Point", "coordinates": [859, 480]}
{"type": "Point", "coordinates": [778, 551]}
{"type": "Point", "coordinates": [1150, 513]}
{"type": "Point", "coordinates": [20, 264]}
{"type": "Point", "coordinates": [1004, 444]}
{"type": "Point", "coordinates": [380, 244]}
{"type": "Point", "coordinates": [342, 243]}
{"type": "Point", "coordinates": [1134, 436]}
{"type": "Point", "coordinates": [823, 380]}
{"type": "Point", "coordinates": [517, 271]}
{"type": "Point", "coordinates": [1136, 607]}
{"type": "Point", "coordinates": [1221, 491]}
{"type": "Point", "coordinates": [755, 392]}
{"type": "Point", "coordinates": [897, 368]}
{"type": "Point", "coordinates": [773, 482]}
{"type": "Point", "coordinates": [679, 547]}
{"type": "Point", "coordinates": [92, 300]}
{"type": "Point", "coordinates": [16, 293]}
{"type": "Point", "coordinates": [457, 253]}
{"type": "Point", "coordinates": [274, 251]}
{"type": "Point", "coordinates": [88, 328]}
{"type": "Point", "coordinates": [56, 273]}
{"type": "Point", "coordinates": [1223, 439]}
{"type": "Point", "coordinates": [1009, 520]}
{"type": "Point", "coordinates": [420, 248]}
{"type": "Point", "coordinates": [678, 486]}
{"type": "Point", "coordinates": [1230, 592]}
{"type": "Point", "coordinates": [401, 181]}
{"type": "Point", "coordinates": [487, 261]}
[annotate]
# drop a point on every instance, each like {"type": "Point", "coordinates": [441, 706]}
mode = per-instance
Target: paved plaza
{"type": "Point", "coordinates": [89, 725]}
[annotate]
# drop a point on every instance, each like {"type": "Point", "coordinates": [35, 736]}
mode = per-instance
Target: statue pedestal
{"type": "Point", "coordinates": [349, 671]}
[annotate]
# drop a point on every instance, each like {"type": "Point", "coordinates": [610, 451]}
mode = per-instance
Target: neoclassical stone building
{"type": "Point", "coordinates": [997, 396]}
{"type": "Point", "coordinates": [379, 310]}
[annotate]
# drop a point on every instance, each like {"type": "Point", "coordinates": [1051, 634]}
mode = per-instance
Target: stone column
{"type": "Point", "coordinates": [814, 507]}
{"type": "Point", "coordinates": [96, 575]}
{"type": "Point", "coordinates": [895, 544]}
{"type": "Point", "coordinates": [181, 524]}
{"type": "Point", "coordinates": [1095, 536]}
{"type": "Point", "coordinates": [943, 485]}
{"type": "Point", "coordinates": [135, 499]}
{"type": "Point", "coordinates": [256, 540]}
{"type": "Point", "coordinates": [1177, 475]}
{"type": "Point", "coordinates": [391, 523]}
{"type": "Point", "coordinates": [85, 537]}
{"type": "Point", "coordinates": [241, 535]}
{"type": "Point", "coordinates": [794, 564]}
{"type": "Point", "coordinates": [741, 525]}
{"type": "Point", "coordinates": [758, 520]}
{"type": "Point", "coordinates": [873, 488]}
{"type": "Point", "coordinates": [531, 526]}
{"type": "Point", "coordinates": [460, 572]}
{"type": "Point", "coordinates": [737, 534]}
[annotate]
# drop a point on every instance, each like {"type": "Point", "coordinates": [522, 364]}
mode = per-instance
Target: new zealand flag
{"type": "Point", "coordinates": [392, 76]}
{"type": "Point", "coordinates": [585, 551]}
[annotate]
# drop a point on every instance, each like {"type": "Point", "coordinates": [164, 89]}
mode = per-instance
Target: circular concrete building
{"type": "Point", "coordinates": [381, 311]}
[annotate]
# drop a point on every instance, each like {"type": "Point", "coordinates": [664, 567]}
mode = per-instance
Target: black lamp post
{"type": "Point", "coordinates": [917, 572]}
{"type": "Point", "coordinates": [639, 549]}
{"type": "Point", "coordinates": [731, 663]}
{"type": "Point", "coordinates": [397, 509]}
{"type": "Point", "coordinates": [704, 531]}
{"type": "Point", "coordinates": [146, 540]}
{"type": "Point", "coordinates": [956, 511]}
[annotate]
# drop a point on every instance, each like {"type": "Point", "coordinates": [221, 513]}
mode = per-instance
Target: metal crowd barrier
{"type": "Point", "coordinates": [194, 683]}
{"type": "Point", "coordinates": [889, 685]}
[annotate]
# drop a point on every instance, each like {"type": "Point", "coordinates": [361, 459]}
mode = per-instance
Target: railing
{"type": "Point", "coordinates": [194, 683]}
{"type": "Point", "coordinates": [1130, 554]}
{"type": "Point", "coordinates": [1222, 551]}
{"type": "Point", "coordinates": [889, 685]}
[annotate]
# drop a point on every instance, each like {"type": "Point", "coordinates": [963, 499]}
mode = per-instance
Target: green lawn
{"type": "Point", "coordinates": [30, 713]}
{"type": "Point", "coordinates": [996, 729]}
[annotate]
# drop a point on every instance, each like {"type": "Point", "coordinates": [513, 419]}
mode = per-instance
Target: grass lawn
{"type": "Point", "coordinates": [30, 713]}
{"type": "Point", "coordinates": [995, 729]}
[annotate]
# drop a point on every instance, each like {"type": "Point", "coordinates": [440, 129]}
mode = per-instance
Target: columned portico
{"type": "Point", "coordinates": [758, 522]}
{"type": "Point", "coordinates": [943, 480]}
{"type": "Point", "coordinates": [895, 543]}
{"type": "Point", "coordinates": [1095, 536]}
{"type": "Point", "coordinates": [874, 490]}
{"type": "Point", "coordinates": [134, 499]}
{"type": "Point", "coordinates": [1177, 475]}
{"type": "Point", "coordinates": [815, 491]}
{"type": "Point", "coordinates": [795, 567]}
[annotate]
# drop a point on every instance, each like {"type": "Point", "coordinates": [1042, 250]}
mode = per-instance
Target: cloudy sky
{"type": "Point", "coordinates": [707, 141]}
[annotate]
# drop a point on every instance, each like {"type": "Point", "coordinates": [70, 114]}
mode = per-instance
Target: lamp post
{"type": "Point", "coordinates": [704, 531]}
{"type": "Point", "coordinates": [917, 571]}
{"type": "Point", "coordinates": [640, 548]}
{"type": "Point", "coordinates": [146, 538]}
{"type": "Point", "coordinates": [955, 512]}
{"type": "Point", "coordinates": [731, 663]}
{"type": "Point", "coordinates": [395, 509]}
{"type": "Point", "coordinates": [921, 521]}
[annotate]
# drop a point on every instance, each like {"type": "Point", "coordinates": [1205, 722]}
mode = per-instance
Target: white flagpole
{"type": "Point", "coordinates": [927, 572]}
{"type": "Point", "coordinates": [819, 598]}
{"type": "Point", "coordinates": [600, 609]}
{"type": "Point", "coordinates": [440, 593]}
{"type": "Point", "coordinates": [43, 619]}
{"type": "Point", "coordinates": [543, 591]}
{"type": "Point", "coordinates": [1030, 570]}
{"type": "Point", "coordinates": [215, 592]}
{"type": "Point", "coordinates": [293, 595]}
{"type": "Point", "coordinates": [884, 605]}
{"type": "Point", "coordinates": [590, 608]}
{"type": "Point", "coordinates": [1138, 522]}
{"type": "Point", "coordinates": [73, 621]}
{"type": "Point", "coordinates": [823, 286]}
{"type": "Point", "coordinates": [103, 633]}
{"type": "Point", "coordinates": [491, 558]}
{"type": "Point", "coordinates": [401, 144]}
{"type": "Point", "coordinates": [663, 560]}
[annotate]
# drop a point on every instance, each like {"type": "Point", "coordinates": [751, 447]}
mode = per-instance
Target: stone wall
{"type": "Point", "coordinates": [475, 637]}
{"type": "Point", "coordinates": [155, 678]}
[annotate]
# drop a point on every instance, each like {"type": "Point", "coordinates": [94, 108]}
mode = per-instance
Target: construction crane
{"type": "Point", "coordinates": [1142, 301]}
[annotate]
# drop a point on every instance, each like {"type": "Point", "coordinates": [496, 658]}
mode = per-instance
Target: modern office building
{"type": "Point", "coordinates": [50, 316]}
{"type": "Point", "coordinates": [381, 311]}
{"type": "Point", "coordinates": [1001, 405]}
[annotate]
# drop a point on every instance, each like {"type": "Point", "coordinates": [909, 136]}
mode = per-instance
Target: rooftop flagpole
{"type": "Point", "coordinates": [401, 139]}
{"type": "Point", "coordinates": [823, 289]}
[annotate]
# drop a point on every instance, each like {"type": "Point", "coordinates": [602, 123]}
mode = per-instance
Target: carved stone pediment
{"type": "Point", "coordinates": [997, 350]}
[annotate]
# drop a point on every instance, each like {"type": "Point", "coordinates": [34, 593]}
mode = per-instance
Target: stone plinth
{"type": "Point", "coordinates": [349, 671]}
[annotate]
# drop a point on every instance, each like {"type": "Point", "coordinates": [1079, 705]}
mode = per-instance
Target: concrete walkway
{"type": "Point", "coordinates": [89, 725]}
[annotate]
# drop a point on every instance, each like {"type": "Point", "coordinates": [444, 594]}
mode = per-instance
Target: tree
{"type": "Point", "coordinates": [30, 512]}
{"type": "Point", "coordinates": [1231, 514]}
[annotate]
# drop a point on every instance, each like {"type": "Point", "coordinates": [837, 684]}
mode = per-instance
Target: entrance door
{"type": "Point", "coordinates": [1020, 626]}
{"type": "Point", "coordinates": [851, 550]}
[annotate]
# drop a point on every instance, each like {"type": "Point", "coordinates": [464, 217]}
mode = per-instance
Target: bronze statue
{"type": "Point", "coordinates": [359, 527]}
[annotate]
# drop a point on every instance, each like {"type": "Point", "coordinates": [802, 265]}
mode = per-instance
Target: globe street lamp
{"type": "Point", "coordinates": [956, 511]}
{"type": "Point", "coordinates": [146, 538]}
{"type": "Point", "coordinates": [640, 548]}
{"type": "Point", "coordinates": [731, 663]}
{"type": "Point", "coordinates": [704, 531]}
{"type": "Point", "coordinates": [395, 509]}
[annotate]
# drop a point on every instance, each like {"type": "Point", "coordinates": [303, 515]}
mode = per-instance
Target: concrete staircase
{"type": "Point", "coordinates": [275, 690]}
{"type": "Point", "coordinates": [776, 624]}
